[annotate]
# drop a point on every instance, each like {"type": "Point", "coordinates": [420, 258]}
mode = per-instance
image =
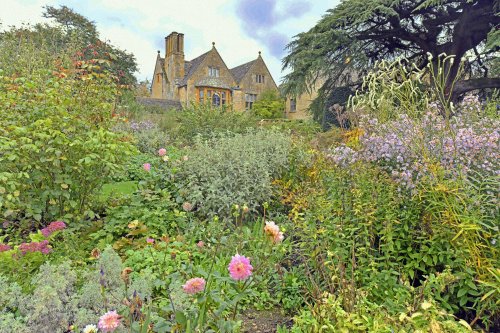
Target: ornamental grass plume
{"type": "Point", "coordinates": [53, 227]}
{"type": "Point", "coordinates": [240, 268]}
{"type": "Point", "coordinates": [109, 322]}
{"type": "Point", "coordinates": [162, 152]}
{"type": "Point", "coordinates": [194, 286]}
{"type": "Point", "coordinates": [273, 231]}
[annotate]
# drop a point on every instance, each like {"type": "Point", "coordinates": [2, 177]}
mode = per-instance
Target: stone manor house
{"type": "Point", "coordinates": [206, 78]}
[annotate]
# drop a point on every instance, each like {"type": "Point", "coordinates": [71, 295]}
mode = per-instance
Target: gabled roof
{"type": "Point", "coordinates": [190, 67]}
{"type": "Point", "coordinates": [240, 71]}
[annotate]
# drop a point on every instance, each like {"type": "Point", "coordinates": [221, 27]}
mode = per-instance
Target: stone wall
{"type": "Point", "coordinates": [163, 103]}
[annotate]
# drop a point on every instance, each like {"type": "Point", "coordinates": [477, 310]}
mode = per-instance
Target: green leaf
{"type": "Point", "coordinates": [462, 292]}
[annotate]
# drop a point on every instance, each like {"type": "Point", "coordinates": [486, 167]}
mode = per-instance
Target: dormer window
{"type": "Point", "coordinates": [259, 78]}
{"type": "Point", "coordinates": [213, 71]}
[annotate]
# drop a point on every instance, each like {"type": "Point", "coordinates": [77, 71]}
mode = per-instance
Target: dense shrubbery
{"type": "Point", "coordinates": [205, 120]}
{"type": "Point", "coordinates": [233, 169]}
{"type": "Point", "coordinates": [269, 106]}
{"type": "Point", "coordinates": [395, 229]}
{"type": "Point", "coordinates": [54, 138]}
{"type": "Point", "coordinates": [405, 224]}
{"type": "Point", "coordinates": [61, 298]}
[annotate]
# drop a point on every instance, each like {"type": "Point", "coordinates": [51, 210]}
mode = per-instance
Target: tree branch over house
{"type": "Point", "coordinates": [354, 35]}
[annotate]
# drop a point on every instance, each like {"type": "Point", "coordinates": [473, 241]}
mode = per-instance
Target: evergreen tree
{"type": "Point", "coordinates": [351, 37]}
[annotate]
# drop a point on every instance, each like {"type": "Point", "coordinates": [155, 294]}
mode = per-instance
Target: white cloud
{"type": "Point", "coordinates": [17, 12]}
{"type": "Point", "coordinates": [140, 26]}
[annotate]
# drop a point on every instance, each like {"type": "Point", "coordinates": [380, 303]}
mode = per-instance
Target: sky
{"type": "Point", "coordinates": [239, 28]}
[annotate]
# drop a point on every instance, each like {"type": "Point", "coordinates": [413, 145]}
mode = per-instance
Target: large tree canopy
{"type": "Point", "coordinates": [70, 33]}
{"type": "Point", "coordinates": [353, 36]}
{"type": "Point", "coordinates": [83, 30]}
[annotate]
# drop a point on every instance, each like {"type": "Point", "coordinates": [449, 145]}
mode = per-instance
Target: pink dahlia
{"type": "Point", "coordinates": [150, 241]}
{"type": "Point", "coordinates": [109, 322]}
{"type": "Point", "coordinates": [4, 247]}
{"type": "Point", "coordinates": [162, 152]}
{"type": "Point", "coordinates": [240, 268]}
{"type": "Point", "coordinates": [200, 244]}
{"type": "Point", "coordinates": [53, 227]}
{"type": "Point", "coordinates": [146, 166]}
{"type": "Point", "coordinates": [273, 231]}
{"type": "Point", "coordinates": [194, 285]}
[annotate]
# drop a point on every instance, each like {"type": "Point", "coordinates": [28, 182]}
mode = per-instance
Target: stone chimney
{"type": "Point", "coordinates": [174, 56]}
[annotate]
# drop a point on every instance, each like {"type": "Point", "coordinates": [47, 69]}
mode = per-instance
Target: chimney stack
{"type": "Point", "coordinates": [174, 55]}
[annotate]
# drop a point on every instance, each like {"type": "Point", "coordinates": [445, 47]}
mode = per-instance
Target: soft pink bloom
{"type": "Point", "coordinates": [42, 247]}
{"type": "Point", "coordinates": [194, 286]}
{"type": "Point", "coordinates": [200, 244]}
{"type": "Point", "coordinates": [273, 230]}
{"type": "Point", "coordinates": [240, 268]}
{"type": "Point", "coordinates": [187, 206]}
{"type": "Point", "coordinates": [185, 158]}
{"type": "Point", "coordinates": [150, 240]}
{"type": "Point", "coordinates": [4, 247]}
{"type": "Point", "coordinates": [162, 152]}
{"type": "Point", "coordinates": [53, 227]}
{"type": "Point", "coordinates": [146, 166]}
{"type": "Point", "coordinates": [109, 322]}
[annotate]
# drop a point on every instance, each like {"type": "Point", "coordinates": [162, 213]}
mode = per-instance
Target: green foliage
{"type": "Point", "coordinates": [62, 296]}
{"type": "Point", "coordinates": [206, 120]}
{"type": "Point", "coordinates": [145, 214]}
{"type": "Point", "coordinates": [147, 137]}
{"type": "Point", "coordinates": [330, 316]}
{"type": "Point", "coordinates": [79, 28]}
{"type": "Point", "coordinates": [269, 106]}
{"type": "Point", "coordinates": [54, 133]}
{"type": "Point", "coordinates": [48, 172]}
{"type": "Point", "coordinates": [364, 241]}
{"type": "Point", "coordinates": [390, 90]}
{"type": "Point", "coordinates": [233, 169]}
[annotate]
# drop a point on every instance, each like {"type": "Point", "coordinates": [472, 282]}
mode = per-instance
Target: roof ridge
{"type": "Point", "coordinates": [240, 71]}
{"type": "Point", "coordinates": [193, 65]}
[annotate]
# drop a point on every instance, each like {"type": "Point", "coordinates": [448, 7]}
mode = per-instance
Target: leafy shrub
{"type": "Point", "coordinates": [147, 136]}
{"type": "Point", "coordinates": [54, 134]}
{"type": "Point", "coordinates": [269, 106]}
{"type": "Point", "coordinates": [63, 297]}
{"type": "Point", "coordinates": [147, 213]}
{"type": "Point", "coordinates": [206, 120]}
{"type": "Point", "coordinates": [373, 236]}
{"type": "Point", "coordinates": [49, 171]}
{"type": "Point", "coordinates": [330, 316]}
{"type": "Point", "coordinates": [233, 169]}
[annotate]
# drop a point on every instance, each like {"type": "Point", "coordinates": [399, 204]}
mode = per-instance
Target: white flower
{"type": "Point", "coordinates": [90, 329]}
